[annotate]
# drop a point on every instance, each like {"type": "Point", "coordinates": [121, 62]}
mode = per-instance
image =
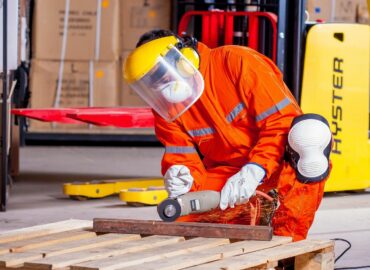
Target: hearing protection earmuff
{"type": "Point", "coordinates": [188, 47]}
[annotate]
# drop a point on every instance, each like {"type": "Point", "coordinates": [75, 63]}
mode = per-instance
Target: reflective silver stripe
{"type": "Point", "coordinates": [201, 132]}
{"type": "Point", "coordinates": [180, 149]}
{"type": "Point", "coordinates": [238, 108]}
{"type": "Point", "coordinates": [279, 106]}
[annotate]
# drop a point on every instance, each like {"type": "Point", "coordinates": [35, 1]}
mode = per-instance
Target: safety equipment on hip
{"type": "Point", "coordinates": [178, 180]}
{"type": "Point", "coordinates": [241, 186]}
{"type": "Point", "coordinates": [309, 146]}
{"type": "Point", "coordinates": [164, 72]}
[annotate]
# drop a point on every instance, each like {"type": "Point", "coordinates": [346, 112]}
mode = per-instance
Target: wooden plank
{"type": "Point", "coordinates": [104, 252]}
{"type": "Point", "coordinates": [212, 254]}
{"type": "Point", "coordinates": [316, 261]}
{"type": "Point", "coordinates": [100, 241]}
{"type": "Point", "coordinates": [150, 255]}
{"type": "Point", "coordinates": [192, 229]}
{"type": "Point", "coordinates": [46, 240]}
{"type": "Point", "coordinates": [15, 259]}
{"type": "Point", "coordinates": [40, 230]}
{"type": "Point", "coordinates": [265, 256]}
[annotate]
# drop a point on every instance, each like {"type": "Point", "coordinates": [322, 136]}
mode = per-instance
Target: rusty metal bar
{"type": "Point", "coordinates": [187, 229]}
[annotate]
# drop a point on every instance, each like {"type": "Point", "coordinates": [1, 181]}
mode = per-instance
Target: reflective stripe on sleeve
{"type": "Point", "coordinates": [180, 149]}
{"type": "Point", "coordinates": [201, 132]}
{"type": "Point", "coordinates": [238, 108]}
{"type": "Point", "coordinates": [279, 106]}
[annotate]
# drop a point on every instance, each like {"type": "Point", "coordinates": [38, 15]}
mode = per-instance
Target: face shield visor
{"type": "Point", "coordinates": [171, 86]}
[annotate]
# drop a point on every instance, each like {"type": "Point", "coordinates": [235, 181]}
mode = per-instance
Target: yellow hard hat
{"type": "Point", "coordinates": [165, 73]}
{"type": "Point", "coordinates": [142, 59]}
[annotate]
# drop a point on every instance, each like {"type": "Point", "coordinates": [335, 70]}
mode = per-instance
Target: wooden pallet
{"type": "Point", "coordinates": [73, 245]}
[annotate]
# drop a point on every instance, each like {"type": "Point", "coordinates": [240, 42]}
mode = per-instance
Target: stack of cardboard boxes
{"type": "Point", "coordinates": [79, 47]}
{"type": "Point", "coordinates": [341, 11]}
{"type": "Point", "coordinates": [78, 50]}
{"type": "Point", "coordinates": [138, 17]}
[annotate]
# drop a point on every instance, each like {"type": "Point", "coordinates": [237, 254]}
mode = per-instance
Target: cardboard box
{"type": "Point", "coordinates": [128, 97]}
{"type": "Point", "coordinates": [362, 14]}
{"type": "Point", "coordinates": [140, 16]}
{"type": "Point", "coordinates": [319, 10]}
{"type": "Point", "coordinates": [345, 11]}
{"type": "Point", "coordinates": [83, 84]}
{"type": "Point", "coordinates": [91, 31]}
{"type": "Point", "coordinates": [332, 10]}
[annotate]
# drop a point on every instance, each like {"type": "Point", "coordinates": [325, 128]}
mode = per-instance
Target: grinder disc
{"type": "Point", "coordinates": [169, 210]}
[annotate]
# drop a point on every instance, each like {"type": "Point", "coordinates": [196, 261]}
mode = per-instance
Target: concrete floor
{"type": "Point", "coordinates": [37, 198]}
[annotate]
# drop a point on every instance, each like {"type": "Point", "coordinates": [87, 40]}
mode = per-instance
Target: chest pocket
{"type": "Point", "coordinates": [204, 139]}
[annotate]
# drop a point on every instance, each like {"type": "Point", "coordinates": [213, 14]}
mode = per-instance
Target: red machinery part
{"type": "Point", "coordinates": [217, 23]}
{"type": "Point", "coordinates": [48, 115]}
{"type": "Point", "coordinates": [117, 117]}
{"type": "Point", "coordinates": [125, 117]}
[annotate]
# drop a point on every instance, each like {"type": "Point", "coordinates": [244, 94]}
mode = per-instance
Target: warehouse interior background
{"type": "Point", "coordinates": [59, 59]}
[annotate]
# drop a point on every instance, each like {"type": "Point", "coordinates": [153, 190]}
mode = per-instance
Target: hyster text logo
{"type": "Point", "coordinates": [336, 107]}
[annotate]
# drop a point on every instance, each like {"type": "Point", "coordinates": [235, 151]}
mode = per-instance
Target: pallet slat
{"type": "Point", "coordinates": [213, 254]}
{"type": "Point", "coordinates": [41, 230]}
{"type": "Point", "coordinates": [191, 229]}
{"type": "Point", "coordinates": [268, 255]}
{"type": "Point", "coordinates": [46, 240]}
{"type": "Point", "coordinates": [104, 252]}
{"type": "Point", "coordinates": [14, 259]}
{"type": "Point", "coordinates": [150, 255]}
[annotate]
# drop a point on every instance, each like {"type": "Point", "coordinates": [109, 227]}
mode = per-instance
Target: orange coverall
{"type": "Point", "coordinates": [244, 115]}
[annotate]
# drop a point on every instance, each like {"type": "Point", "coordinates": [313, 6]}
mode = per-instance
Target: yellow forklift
{"type": "Point", "coordinates": [336, 85]}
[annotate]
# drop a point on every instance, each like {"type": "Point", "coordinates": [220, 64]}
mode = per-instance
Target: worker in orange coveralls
{"type": "Point", "coordinates": [228, 123]}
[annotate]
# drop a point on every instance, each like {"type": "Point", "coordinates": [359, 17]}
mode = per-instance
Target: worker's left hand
{"type": "Point", "coordinates": [241, 186]}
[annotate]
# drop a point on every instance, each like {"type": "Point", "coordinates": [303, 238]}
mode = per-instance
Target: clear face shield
{"type": "Point", "coordinates": [171, 86]}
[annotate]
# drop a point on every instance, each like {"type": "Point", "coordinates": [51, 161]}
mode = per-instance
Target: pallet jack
{"type": "Point", "coordinates": [134, 192]}
{"type": "Point", "coordinates": [143, 196]}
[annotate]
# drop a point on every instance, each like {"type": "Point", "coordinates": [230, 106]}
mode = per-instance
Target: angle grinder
{"type": "Point", "coordinates": [189, 203]}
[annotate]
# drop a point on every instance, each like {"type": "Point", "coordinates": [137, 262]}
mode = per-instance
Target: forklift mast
{"type": "Point", "coordinates": [290, 30]}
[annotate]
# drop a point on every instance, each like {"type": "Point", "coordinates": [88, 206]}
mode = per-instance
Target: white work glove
{"type": "Point", "coordinates": [241, 186]}
{"type": "Point", "coordinates": [178, 180]}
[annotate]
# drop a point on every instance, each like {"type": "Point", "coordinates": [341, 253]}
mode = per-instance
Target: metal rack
{"type": "Point", "coordinates": [4, 113]}
{"type": "Point", "coordinates": [14, 80]}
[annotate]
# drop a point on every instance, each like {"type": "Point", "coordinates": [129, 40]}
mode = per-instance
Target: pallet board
{"type": "Point", "coordinates": [79, 248]}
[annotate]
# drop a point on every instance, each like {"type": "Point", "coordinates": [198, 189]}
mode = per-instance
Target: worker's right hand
{"type": "Point", "coordinates": [178, 180]}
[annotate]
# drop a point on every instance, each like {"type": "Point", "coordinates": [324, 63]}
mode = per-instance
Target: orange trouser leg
{"type": "Point", "coordinates": [298, 204]}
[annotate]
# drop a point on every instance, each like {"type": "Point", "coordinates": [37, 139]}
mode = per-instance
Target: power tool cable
{"type": "Point", "coordinates": [345, 251]}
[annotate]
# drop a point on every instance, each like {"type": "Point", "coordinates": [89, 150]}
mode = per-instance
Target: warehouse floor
{"type": "Point", "coordinates": [37, 198]}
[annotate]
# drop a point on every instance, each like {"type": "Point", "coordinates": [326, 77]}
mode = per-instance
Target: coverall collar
{"type": "Point", "coordinates": [204, 52]}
